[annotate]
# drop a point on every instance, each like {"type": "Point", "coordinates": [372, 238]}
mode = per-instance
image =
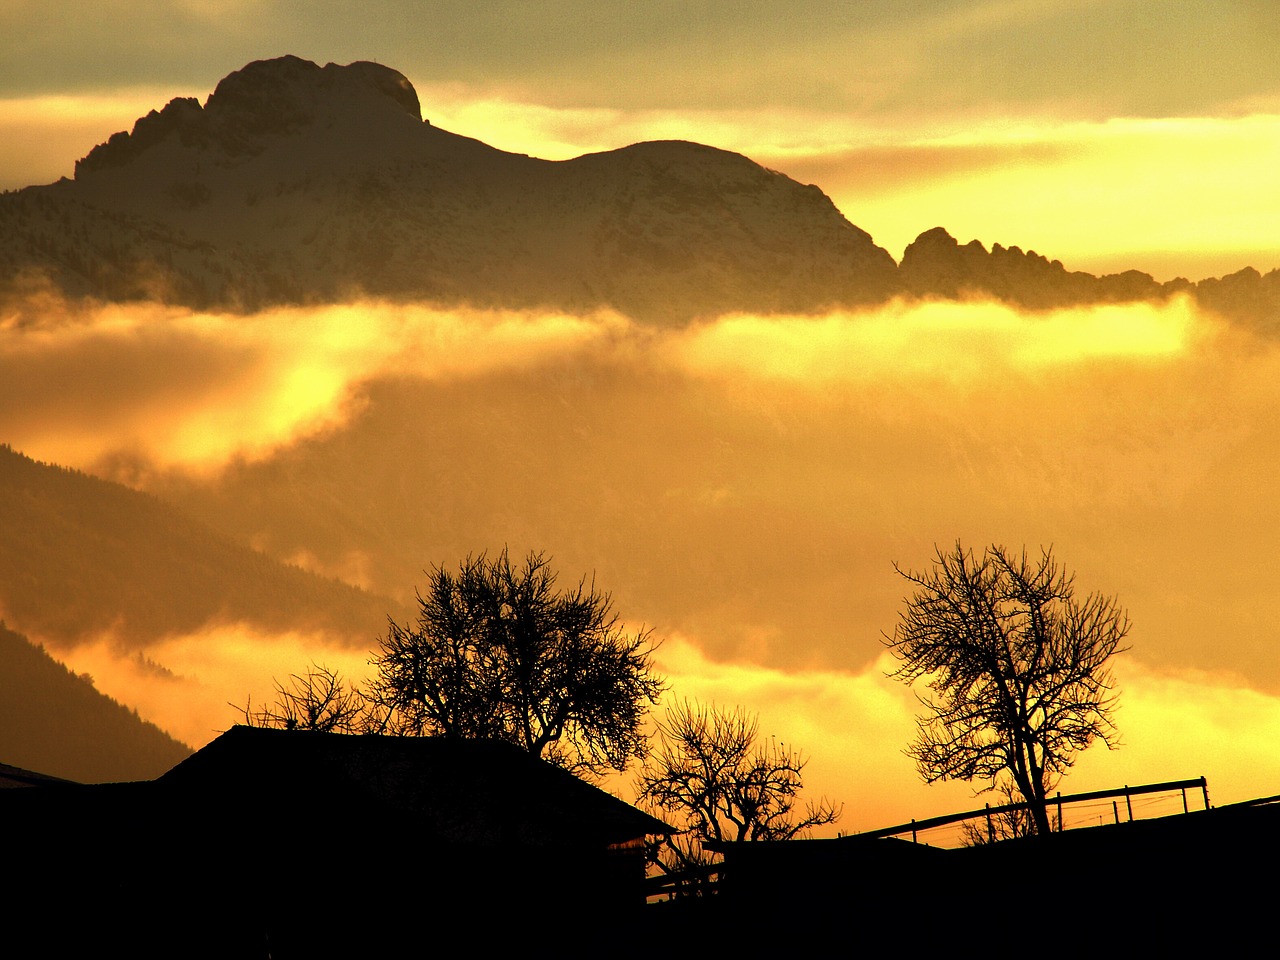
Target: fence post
{"type": "Point", "coordinates": [1185, 809]}
{"type": "Point", "coordinates": [1059, 811]}
{"type": "Point", "coordinates": [1115, 811]}
{"type": "Point", "coordinates": [1128, 802]}
{"type": "Point", "coordinates": [913, 829]}
{"type": "Point", "coordinates": [991, 832]}
{"type": "Point", "coordinates": [1204, 786]}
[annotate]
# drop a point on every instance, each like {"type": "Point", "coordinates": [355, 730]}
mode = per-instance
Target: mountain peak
{"type": "Point", "coordinates": [264, 99]}
{"type": "Point", "coordinates": [268, 91]}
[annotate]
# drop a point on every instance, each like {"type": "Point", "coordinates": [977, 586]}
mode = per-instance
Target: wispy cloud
{"type": "Point", "coordinates": [966, 341]}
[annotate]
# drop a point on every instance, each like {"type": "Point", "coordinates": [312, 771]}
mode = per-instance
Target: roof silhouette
{"type": "Point", "coordinates": [483, 792]}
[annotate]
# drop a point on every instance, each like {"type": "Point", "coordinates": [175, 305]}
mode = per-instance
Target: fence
{"type": "Point", "coordinates": [701, 881]}
{"type": "Point", "coordinates": [1146, 801]}
{"type": "Point", "coordinates": [1065, 813]}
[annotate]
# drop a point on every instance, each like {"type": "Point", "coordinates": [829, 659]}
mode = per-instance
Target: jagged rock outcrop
{"type": "Point", "coordinates": [266, 100]}
{"type": "Point", "coordinates": [936, 265]}
{"type": "Point", "coordinates": [1246, 296]}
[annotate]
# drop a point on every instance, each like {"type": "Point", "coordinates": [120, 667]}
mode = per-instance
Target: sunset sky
{"type": "Point", "coordinates": [1141, 442]}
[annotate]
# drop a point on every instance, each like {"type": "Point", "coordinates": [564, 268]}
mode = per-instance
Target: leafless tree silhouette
{"type": "Point", "coordinates": [498, 652]}
{"type": "Point", "coordinates": [318, 700]}
{"type": "Point", "coordinates": [1019, 670]}
{"type": "Point", "coordinates": [709, 774]}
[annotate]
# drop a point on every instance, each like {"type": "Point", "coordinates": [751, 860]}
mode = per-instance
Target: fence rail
{"type": "Point", "coordinates": [692, 882]}
{"type": "Point", "coordinates": [1087, 809]}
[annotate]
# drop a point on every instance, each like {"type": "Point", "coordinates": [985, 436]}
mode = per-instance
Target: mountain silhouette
{"type": "Point", "coordinates": [936, 265]}
{"type": "Point", "coordinates": [295, 183]}
{"type": "Point", "coordinates": [82, 558]}
{"type": "Point", "coordinates": [300, 183]}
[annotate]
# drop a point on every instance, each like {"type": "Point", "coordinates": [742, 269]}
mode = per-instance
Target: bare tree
{"type": "Point", "coordinates": [498, 652]}
{"type": "Point", "coordinates": [709, 775]}
{"type": "Point", "coordinates": [318, 700]}
{"type": "Point", "coordinates": [1018, 668]}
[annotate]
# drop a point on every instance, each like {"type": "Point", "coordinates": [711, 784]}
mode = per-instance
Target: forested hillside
{"type": "Point", "coordinates": [80, 556]}
{"type": "Point", "coordinates": [55, 722]}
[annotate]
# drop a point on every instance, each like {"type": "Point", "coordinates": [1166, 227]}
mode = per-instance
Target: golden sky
{"type": "Point", "coordinates": [1140, 442]}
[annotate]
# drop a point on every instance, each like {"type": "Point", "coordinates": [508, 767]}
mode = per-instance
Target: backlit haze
{"type": "Point", "coordinates": [744, 485]}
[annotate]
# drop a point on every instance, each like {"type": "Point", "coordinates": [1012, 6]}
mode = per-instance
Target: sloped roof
{"type": "Point", "coordinates": [465, 791]}
{"type": "Point", "coordinates": [17, 777]}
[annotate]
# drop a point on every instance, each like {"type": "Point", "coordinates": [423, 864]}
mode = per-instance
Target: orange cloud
{"type": "Point", "coordinates": [962, 341]}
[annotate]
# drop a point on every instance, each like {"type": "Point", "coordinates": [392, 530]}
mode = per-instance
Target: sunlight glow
{"type": "Point", "coordinates": [954, 340]}
{"type": "Point", "coordinates": [196, 686]}
{"type": "Point", "coordinates": [853, 728]}
{"type": "Point", "coordinates": [45, 135]}
{"type": "Point", "coordinates": [1100, 196]}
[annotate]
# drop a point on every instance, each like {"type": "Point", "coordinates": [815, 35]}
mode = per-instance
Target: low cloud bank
{"type": "Point", "coordinates": [197, 390]}
{"type": "Point", "coordinates": [748, 480]}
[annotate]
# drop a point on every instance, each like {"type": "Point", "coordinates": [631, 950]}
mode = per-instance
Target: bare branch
{"type": "Point", "coordinates": [710, 775]}
{"type": "Point", "coordinates": [316, 700]}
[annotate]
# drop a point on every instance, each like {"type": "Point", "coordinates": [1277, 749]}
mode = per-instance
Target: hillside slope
{"type": "Point", "coordinates": [80, 556]}
{"type": "Point", "coordinates": [54, 722]}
